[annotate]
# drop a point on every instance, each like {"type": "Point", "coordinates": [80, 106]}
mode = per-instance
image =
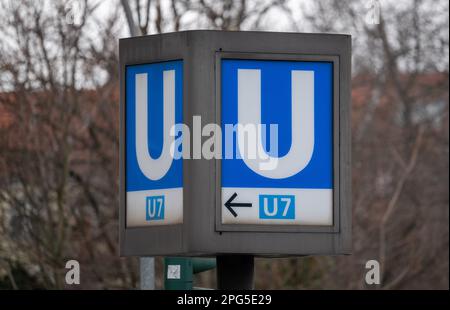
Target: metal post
{"type": "Point", "coordinates": [235, 272]}
{"type": "Point", "coordinates": [147, 273]}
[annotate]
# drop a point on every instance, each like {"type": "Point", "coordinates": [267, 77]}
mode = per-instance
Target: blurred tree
{"type": "Point", "coordinates": [400, 140]}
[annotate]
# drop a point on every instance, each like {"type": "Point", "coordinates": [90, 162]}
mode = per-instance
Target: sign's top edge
{"type": "Point", "coordinates": [237, 32]}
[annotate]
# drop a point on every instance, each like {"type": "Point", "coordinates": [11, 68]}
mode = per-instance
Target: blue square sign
{"type": "Point", "coordinates": [277, 207]}
{"type": "Point", "coordinates": [155, 208]}
{"type": "Point", "coordinates": [280, 168]}
{"type": "Point", "coordinates": [154, 179]}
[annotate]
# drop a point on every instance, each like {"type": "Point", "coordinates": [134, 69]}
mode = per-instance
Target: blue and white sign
{"type": "Point", "coordinates": [294, 185]}
{"type": "Point", "coordinates": [154, 178]}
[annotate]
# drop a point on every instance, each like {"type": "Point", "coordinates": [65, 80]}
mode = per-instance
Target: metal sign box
{"type": "Point", "coordinates": [206, 207]}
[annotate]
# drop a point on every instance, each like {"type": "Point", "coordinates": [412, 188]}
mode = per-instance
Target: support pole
{"type": "Point", "coordinates": [235, 272]}
{"type": "Point", "coordinates": [147, 273]}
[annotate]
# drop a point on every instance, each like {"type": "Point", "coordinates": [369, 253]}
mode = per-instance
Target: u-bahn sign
{"type": "Point", "coordinates": [235, 142]}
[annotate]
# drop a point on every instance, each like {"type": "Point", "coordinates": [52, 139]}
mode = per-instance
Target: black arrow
{"type": "Point", "coordinates": [229, 204]}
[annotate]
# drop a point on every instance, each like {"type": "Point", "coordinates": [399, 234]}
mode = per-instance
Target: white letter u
{"type": "Point", "coordinates": [249, 112]}
{"type": "Point", "coordinates": [154, 169]}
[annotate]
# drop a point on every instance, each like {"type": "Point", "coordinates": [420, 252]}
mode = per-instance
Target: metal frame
{"type": "Point", "coordinates": [336, 206]}
{"type": "Point", "coordinates": [199, 234]}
